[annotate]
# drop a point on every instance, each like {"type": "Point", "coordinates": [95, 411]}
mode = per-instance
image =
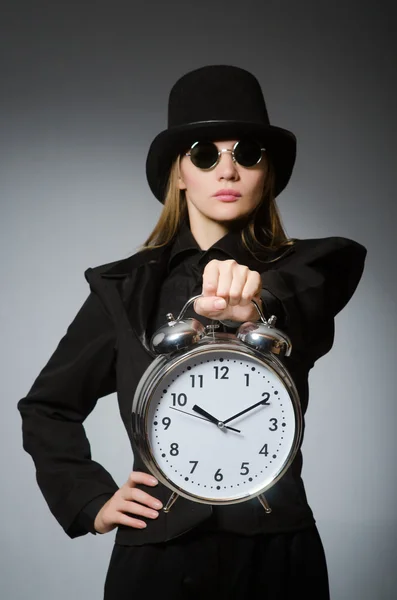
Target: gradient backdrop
{"type": "Point", "coordinates": [84, 91]}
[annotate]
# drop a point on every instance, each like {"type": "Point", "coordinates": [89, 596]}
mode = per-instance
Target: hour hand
{"type": "Point", "coordinates": [213, 419]}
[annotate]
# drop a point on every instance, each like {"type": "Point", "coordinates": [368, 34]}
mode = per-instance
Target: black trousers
{"type": "Point", "coordinates": [223, 566]}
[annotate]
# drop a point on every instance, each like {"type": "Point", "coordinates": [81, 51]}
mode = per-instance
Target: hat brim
{"type": "Point", "coordinates": [279, 142]}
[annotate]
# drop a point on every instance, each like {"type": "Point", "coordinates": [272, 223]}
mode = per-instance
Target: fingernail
{"type": "Point", "coordinates": [157, 504]}
{"type": "Point", "coordinates": [154, 481]}
{"type": "Point", "coordinates": [221, 303]}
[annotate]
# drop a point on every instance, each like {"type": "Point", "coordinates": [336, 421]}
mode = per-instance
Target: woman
{"type": "Point", "coordinates": [217, 168]}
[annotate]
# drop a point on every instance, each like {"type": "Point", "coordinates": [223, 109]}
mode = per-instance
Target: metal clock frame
{"type": "Point", "coordinates": [162, 366]}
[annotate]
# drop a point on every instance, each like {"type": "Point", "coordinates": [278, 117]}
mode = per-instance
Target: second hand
{"type": "Point", "coordinates": [203, 418]}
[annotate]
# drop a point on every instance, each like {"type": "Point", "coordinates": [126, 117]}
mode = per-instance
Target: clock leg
{"type": "Point", "coordinates": [264, 503]}
{"type": "Point", "coordinates": [174, 496]}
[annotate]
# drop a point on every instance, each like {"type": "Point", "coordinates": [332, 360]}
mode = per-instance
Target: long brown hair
{"type": "Point", "coordinates": [262, 230]}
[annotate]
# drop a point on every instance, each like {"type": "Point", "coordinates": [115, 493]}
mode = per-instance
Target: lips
{"type": "Point", "coordinates": [228, 192]}
{"type": "Point", "coordinates": [226, 198]}
{"type": "Point", "coordinates": [227, 195]}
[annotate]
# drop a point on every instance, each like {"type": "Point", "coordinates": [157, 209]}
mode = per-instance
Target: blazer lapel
{"type": "Point", "coordinates": [141, 277]}
{"type": "Point", "coordinates": [144, 290]}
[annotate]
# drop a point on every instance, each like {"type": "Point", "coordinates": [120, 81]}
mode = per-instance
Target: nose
{"type": "Point", "coordinates": [226, 167]}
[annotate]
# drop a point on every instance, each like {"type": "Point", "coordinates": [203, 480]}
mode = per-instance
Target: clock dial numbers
{"type": "Point", "coordinates": [179, 400]}
{"type": "Point", "coordinates": [244, 468]}
{"type": "Point", "coordinates": [264, 450]}
{"type": "Point", "coordinates": [221, 384]}
{"type": "Point", "coordinates": [221, 372]}
{"type": "Point", "coordinates": [197, 380]}
{"type": "Point", "coordinates": [174, 449]}
{"type": "Point", "coordinates": [195, 463]}
{"type": "Point", "coordinates": [166, 421]}
{"type": "Point", "coordinates": [218, 475]}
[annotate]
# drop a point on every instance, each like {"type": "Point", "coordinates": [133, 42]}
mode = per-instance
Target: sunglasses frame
{"type": "Point", "coordinates": [221, 151]}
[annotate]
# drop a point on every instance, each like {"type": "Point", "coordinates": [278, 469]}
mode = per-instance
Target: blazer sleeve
{"type": "Point", "coordinates": [308, 288]}
{"type": "Point", "coordinates": [79, 372]}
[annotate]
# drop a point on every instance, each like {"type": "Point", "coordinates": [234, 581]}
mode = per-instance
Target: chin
{"type": "Point", "coordinates": [228, 216]}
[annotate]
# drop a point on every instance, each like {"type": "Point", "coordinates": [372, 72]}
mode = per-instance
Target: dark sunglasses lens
{"type": "Point", "coordinates": [248, 153]}
{"type": "Point", "coordinates": [204, 155]}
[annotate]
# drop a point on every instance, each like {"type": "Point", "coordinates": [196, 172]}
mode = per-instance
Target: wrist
{"type": "Point", "coordinates": [90, 517]}
{"type": "Point", "coordinates": [229, 323]}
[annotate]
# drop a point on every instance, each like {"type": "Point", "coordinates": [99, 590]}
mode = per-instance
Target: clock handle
{"type": "Point", "coordinates": [262, 316]}
{"type": "Point", "coordinates": [189, 302]}
{"type": "Point", "coordinates": [264, 503]}
{"type": "Point", "coordinates": [186, 306]}
{"type": "Point", "coordinates": [174, 496]}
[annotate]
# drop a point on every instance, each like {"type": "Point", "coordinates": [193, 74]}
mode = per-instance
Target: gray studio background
{"type": "Point", "coordinates": [84, 91]}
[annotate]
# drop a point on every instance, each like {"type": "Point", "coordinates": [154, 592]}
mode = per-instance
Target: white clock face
{"type": "Point", "coordinates": [234, 456]}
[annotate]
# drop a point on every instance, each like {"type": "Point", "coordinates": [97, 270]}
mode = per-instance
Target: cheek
{"type": "Point", "coordinates": [193, 183]}
{"type": "Point", "coordinates": [189, 180]}
{"type": "Point", "coordinates": [193, 179]}
{"type": "Point", "coordinates": [257, 184]}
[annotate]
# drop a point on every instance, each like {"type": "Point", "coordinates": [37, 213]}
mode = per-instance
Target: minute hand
{"type": "Point", "coordinates": [246, 410]}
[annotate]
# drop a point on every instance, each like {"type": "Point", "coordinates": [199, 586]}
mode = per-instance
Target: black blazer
{"type": "Point", "coordinates": [105, 350]}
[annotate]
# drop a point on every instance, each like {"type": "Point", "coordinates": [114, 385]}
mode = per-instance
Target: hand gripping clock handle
{"type": "Point", "coordinates": [189, 302]}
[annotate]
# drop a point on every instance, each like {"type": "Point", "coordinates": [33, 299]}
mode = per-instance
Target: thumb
{"type": "Point", "coordinates": [207, 306]}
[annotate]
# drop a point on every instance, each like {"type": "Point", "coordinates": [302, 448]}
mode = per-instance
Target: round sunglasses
{"type": "Point", "coordinates": [205, 155]}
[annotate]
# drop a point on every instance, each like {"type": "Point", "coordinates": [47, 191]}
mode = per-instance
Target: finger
{"type": "Point", "coordinates": [140, 477]}
{"type": "Point", "coordinates": [143, 498]}
{"type": "Point", "coordinates": [210, 278]}
{"type": "Point", "coordinates": [123, 519]}
{"type": "Point", "coordinates": [252, 287]}
{"type": "Point", "coordinates": [240, 275]}
{"type": "Point", "coordinates": [226, 274]}
{"type": "Point", "coordinates": [138, 509]}
{"type": "Point", "coordinates": [113, 517]}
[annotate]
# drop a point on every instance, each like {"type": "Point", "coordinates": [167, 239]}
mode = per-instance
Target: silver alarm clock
{"type": "Point", "coordinates": [216, 417]}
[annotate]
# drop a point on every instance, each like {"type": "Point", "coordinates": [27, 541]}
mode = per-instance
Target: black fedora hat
{"type": "Point", "coordinates": [217, 102]}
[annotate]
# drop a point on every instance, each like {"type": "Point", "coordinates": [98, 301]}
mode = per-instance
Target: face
{"type": "Point", "coordinates": [201, 186]}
